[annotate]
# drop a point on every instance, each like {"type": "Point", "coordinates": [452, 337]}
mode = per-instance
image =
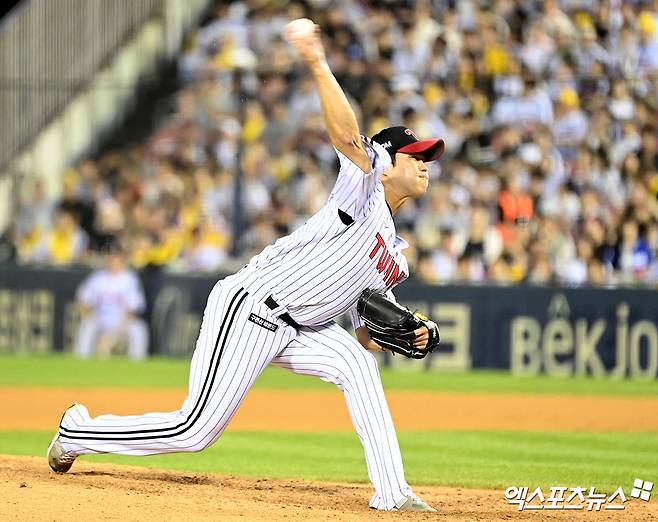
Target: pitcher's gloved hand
{"type": "Point", "coordinates": [395, 327]}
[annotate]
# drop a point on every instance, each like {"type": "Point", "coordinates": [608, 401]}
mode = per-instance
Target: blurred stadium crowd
{"type": "Point", "coordinates": [548, 110]}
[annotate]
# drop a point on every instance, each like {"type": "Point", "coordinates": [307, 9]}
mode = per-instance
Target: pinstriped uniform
{"type": "Point", "coordinates": [313, 275]}
{"type": "Point", "coordinates": [318, 272]}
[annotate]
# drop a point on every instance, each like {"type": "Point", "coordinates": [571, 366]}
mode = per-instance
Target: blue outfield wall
{"type": "Point", "coordinates": [530, 330]}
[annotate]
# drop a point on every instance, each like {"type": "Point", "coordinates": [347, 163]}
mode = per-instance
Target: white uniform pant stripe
{"type": "Point", "coordinates": [330, 353]}
{"type": "Point", "coordinates": [247, 350]}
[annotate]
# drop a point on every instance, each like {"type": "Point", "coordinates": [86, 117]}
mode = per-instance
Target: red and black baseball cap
{"type": "Point", "coordinates": [401, 139]}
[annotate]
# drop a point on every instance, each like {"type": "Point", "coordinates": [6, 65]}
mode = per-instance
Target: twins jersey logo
{"type": "Point", "coordinates": [386, 264]}
{"type": "Point", "coordinates": [256, 319]}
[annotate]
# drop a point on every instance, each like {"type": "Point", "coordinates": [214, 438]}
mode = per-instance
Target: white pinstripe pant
{"type": "Point", "coordinates": [230, 353]}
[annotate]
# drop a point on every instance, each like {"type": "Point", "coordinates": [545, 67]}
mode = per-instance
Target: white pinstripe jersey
{"type": "Point", "coordinates": [318, 272]}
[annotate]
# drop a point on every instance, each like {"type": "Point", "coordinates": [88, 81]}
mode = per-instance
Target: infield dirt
{"type": "Point", "coordinates": [29, 491]}
{"type": "Point", "coordinates": [316, 411]}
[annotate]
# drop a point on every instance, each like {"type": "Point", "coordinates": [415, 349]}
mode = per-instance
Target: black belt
{"type": "Point", "coordinates": [272, 305]}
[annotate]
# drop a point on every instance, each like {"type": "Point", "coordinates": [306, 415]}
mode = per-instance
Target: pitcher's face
{"type": "Point", "coordinates": [409, 176]}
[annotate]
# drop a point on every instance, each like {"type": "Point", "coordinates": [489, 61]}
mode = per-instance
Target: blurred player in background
{"type": "Point", "coordinates": [111, 299]}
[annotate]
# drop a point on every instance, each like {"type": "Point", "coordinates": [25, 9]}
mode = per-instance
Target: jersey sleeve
{"type": "Point", "coordinates": [354, 188]}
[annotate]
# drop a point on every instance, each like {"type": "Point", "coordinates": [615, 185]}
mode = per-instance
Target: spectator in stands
{"type": "Point", "coordinates": [565, 204]}
{"type": "Point", "coordinates": [35, 212]}
{"type": "Point", "coordinates": [596, 274]}
{"type": "Point", "coordinates": [75, 203]}
{"type": "Point", "coordinates": [65, 244]}
{"type": "Point", "coordinates": [424, 270]}
{"type": "Point", "coordinates": [622, 105]}
{"type": "Point", "coordinates": [647, 52]}
{"type": "Point", "coordinates": [570, 125]}
{"type": "Point", "coordinates": [633, 255]}
{"type": "Point", "coordinates": [444, 258]}
{"type": "Point", "coordinates": [575, 270]}
{"type": "Point", "coordinates": [111, 300]}
{"type": "Point", "coordinates": [469, 269]}
{"type": "Point", "coordinates": [206, 251]}
{"type": "Point", "coordinates": [629, 142]}
{"type": "Point", "coordinates": [538, 49]}
{"type": "Point", "coordinates": [540, 272]}
{"type": "Point", "coordinates": [484, 241]}
{"type": "Point", "coordinates": [557, 22]}
{"type": "Point", "coordinates": [499, 272]}
{"type": "Point", "coordinates": [514, 204]}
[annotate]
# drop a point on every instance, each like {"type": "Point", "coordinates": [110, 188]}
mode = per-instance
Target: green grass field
{"type": "Point", "coordinates": [61, 371]}
{"type": "Point", "coordinates": [488, 459]}
{"type": "Point", "coordinates": [483, 459]}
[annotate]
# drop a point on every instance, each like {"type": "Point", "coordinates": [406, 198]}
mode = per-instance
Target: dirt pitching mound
{"type": "Point", "coordinates": [29, 491]}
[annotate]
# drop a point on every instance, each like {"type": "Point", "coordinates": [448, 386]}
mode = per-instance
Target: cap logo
{"type": "Point", "coordinates": [386, 144]}
{"type": "Point", "coordinates": [410, 133]}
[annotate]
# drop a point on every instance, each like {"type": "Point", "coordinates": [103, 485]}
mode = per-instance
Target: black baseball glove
{"type": "Point", "coordinates": [392, 326]}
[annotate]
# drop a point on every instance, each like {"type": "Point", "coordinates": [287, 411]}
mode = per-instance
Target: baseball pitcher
{"type": "Point", "coordinates": [281, 307]}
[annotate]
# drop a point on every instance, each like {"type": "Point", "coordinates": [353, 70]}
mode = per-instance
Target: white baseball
{"type": "Point", "coordinates": [299, 29]}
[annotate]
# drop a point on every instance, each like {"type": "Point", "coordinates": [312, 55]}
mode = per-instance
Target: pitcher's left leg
{"type": "Point", "coordinates": [232, 350]}
{"type": "Point", "coordinates": [332, 354]}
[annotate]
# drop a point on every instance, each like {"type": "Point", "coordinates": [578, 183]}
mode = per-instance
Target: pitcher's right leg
{"type": "Point", "coordinates": [333, 355]}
